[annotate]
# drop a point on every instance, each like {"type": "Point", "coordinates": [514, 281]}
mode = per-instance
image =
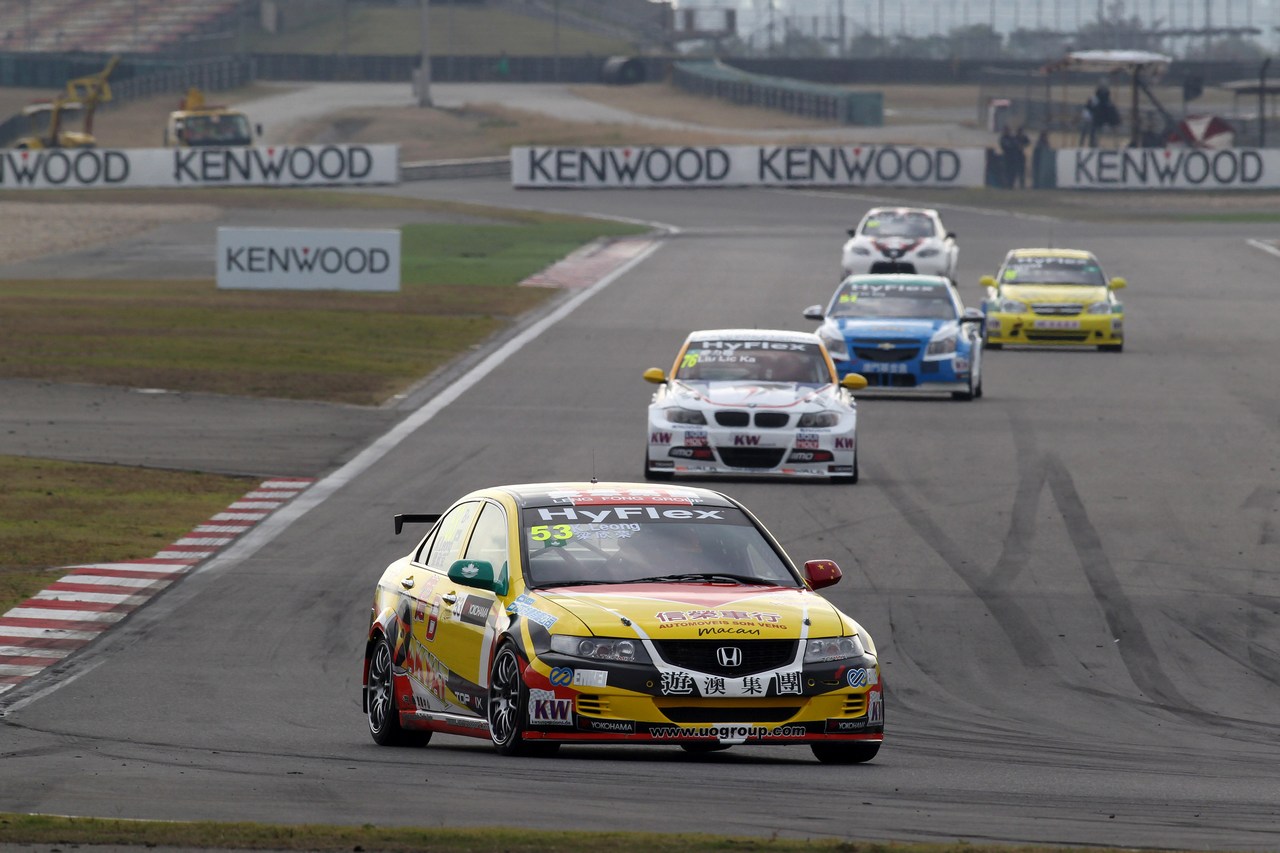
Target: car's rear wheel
{"type": "Point", "coordinates": [384, 718]}
{"type": "Point", "coordinates": [844, 753]}
{"type": "Point", "coordinates": [509, 706]}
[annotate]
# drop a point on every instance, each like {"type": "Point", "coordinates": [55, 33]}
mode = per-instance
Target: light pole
{"type": "Point", "coordinates": [423, 79]}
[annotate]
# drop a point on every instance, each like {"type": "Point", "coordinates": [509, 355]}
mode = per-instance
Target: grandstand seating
{"type": "Point", "coordinates": [111, 26]}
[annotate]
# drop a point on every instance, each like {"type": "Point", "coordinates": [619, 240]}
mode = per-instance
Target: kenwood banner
{"type": "Point", "coordinates": [748, 165]}
{"type": "Point", "coordinates": [308, 259]}
{"type": "Point", "coordinates": [268, 166]}
{"type": "Point", "coordinates": [1169, 168]}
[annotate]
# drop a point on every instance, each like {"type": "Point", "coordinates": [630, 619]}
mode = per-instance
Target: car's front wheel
{"type": "Point", "coordinates": [509, 706]}
{"type": "Point", "coordinates": [384, 718]}
{"type": "Point", "coordinates": [1111, 347]}
{"type": "Point", "coordinates": [844, 753]}
{"type": "Point", "coordinates": [650, 474]}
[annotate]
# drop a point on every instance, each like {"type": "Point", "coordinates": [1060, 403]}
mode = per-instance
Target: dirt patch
{"type": "Point", "coordinates": [33, 229]}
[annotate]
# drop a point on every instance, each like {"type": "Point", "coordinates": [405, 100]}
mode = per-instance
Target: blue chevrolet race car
{"type": "Point", "coordinates": [906, 334]}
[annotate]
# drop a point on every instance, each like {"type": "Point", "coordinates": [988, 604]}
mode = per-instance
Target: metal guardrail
{"type": "Point", "coordinates": [813, 100]}
{"type": "Point", "coordinates": [479, 167]}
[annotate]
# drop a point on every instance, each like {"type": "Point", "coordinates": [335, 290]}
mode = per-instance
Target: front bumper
{"type": "Point", "coordinates": [1032, 330]}
{"type": "Point", "coordinates": [713, 450]}
{"type": "Point", "coordinates": [642, 707]}
{"type": "Point", "coordinates": [911, 374]}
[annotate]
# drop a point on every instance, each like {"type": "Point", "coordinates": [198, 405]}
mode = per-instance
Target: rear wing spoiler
{"type": "Point", "coordinates": [415, 518]}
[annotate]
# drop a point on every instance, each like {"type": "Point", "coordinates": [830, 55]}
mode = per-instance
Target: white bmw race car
{"type": "Point", "coordinates": [901, 240]}
{"type": "Point", "coordinates": [750, 402]}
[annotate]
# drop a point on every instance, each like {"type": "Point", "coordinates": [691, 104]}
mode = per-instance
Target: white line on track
{"type": "Point", "coordinates": [1265, 246]}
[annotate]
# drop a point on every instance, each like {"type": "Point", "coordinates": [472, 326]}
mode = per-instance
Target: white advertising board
{"type": "Point", "coordinates": [264, 166]}
{"type": "Point", "coordinates": [308, 259]}
{"type": "Point", "coordinates": [1168, 168]}
{"type": "Point", "coordinates": [747, 165]}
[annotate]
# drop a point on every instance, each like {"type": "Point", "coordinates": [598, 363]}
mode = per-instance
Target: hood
{"type": "Point", "coordinates": [760, 395]}
{"type": "Point", "coordinates": [888, 327]}
{"type": "Point", "coordinates": [686, 611]}
{"type": "Point", "coordinates": [1053, 292]}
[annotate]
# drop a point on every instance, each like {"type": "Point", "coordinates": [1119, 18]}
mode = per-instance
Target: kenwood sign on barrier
{"type": "Point", "coordinates": [1169, 168]}
{"type": "Point", "coordinates": [748, 165]}
{"type": "Point", "coordinates": [267, 166]}
{"type": "Point", "coordinates": [308, 259]}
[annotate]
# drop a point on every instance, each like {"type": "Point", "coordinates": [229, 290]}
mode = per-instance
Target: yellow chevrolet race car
{"type": "Point", "coordinates": [1056, 297]}
{"type": "Point", "coordinates": [545, 614]}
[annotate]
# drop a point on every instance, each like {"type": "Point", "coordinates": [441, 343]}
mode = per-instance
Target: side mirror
{"type": "Point", "coordinates": [988, 281]}
{"type": "Point", "coordinates": [853, 382]}
{"type": "Point", "coordinates": [473, 573]}
{"type": "Point", "coordinates": [821, 573]}
{"type": "Point", "coordinates": [972, 315]}
{"type": "Point", "coordinates": [1117, 283]}
{"type": "Point", "coordinates": [951, 235]}
{"type": "Point", "coordinates": [814, 312]}
{"type": "Point", "coordinates": [655, 375]}
{"type": "Point", "coordinates": [852, 232]}
{"type": "Point", "coordinates": [257, 128]}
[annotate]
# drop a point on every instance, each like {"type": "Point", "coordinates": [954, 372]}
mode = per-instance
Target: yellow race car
{"type": "Point", "coordinates": [545, 614]}
{"type": "Point", "coordinates": [1055, 297]}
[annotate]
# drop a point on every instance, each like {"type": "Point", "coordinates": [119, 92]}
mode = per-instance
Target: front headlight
{"type": "Point", "coordinates": [926, 253]}
{"type": "Point", "coordinates": [942, 346]}
{"type": "Point", "coordinates": [1099, 308]}
{"type": "Point", "coordinates": [600, 648]}
{"type": "Point", "coordinates": [834, 342]}
{"type": "Point", "coordinates": [1012, 306]}
{"type": "Point", "coordinates": [685, 416]}
{"type": "Point", "coordinates": [832, 648]}
{"type": "Point", "coordinates": [859, 250]}
{"type": "Point", "coordinates": [819, 419]}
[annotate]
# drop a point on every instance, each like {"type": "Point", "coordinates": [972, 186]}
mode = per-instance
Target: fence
{"type": "Point", "coordinates": [813, 100]}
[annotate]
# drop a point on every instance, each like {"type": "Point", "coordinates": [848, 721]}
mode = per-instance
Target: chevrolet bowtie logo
{"type": "Point", "coordinates": [886, 345]}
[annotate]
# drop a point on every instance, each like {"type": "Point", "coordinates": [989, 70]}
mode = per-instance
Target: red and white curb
{"type": "Point", "coordinates": [76, 609]}
{"type": "Point", "coordinates": [590, 263]}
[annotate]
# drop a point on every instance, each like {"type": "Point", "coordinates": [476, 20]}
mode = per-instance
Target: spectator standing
{"type": "Point", "coordinates": [1043, 171]}
{"type": "Point", "coordinates": [1009, 151]}
{"type": "Point", "coordinates": [1018, 178]}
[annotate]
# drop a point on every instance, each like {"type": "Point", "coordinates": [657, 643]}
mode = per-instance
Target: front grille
{"type": "Point", "coordinates": [896, 354]}
{"type": "Point", "coordinates": [855, 705]}
{"type": "Point", "coordinates": [890, 380]}
{"type": "Point", "coordinates": [772, 420]}
{"type": "Point", "coordinates": [892, 266]}
{"type": "Point", "coordinates": [752, 457]}
{"type": "Point", "coordinates": [700, 655]}
{"type": "Point", "coordinates": [729, 713]}
{"type": "Point", "coordinates": [1057, 309]}
{"type": "Point", "coordinates": [733, 419]}
{"type": "Point", "coordinates": [591, 704]}
{"type": "Point", "coordinates": [1072, 337]}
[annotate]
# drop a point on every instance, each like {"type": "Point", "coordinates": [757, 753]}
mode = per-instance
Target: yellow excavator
{"type": "Point", "coordinates": [82, 96]}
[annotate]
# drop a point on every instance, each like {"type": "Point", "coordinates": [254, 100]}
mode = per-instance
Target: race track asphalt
{"type": "Point", "coordinates": [1073, 582]}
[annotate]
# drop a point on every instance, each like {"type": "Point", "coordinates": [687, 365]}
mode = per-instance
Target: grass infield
{"type": "Point", "coordinates": [40, 829]}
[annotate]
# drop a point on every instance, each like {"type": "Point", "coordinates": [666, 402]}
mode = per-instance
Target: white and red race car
{"type": "Point", "coordinates": [752, 402]}
{"type": "Point", "coordinates": [900, 240]}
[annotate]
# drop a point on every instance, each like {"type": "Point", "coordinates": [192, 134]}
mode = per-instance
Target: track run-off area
{"type": "Point", "coordinates": [1074, 582]}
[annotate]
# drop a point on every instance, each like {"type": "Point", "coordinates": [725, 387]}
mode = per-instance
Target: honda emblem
{"type": "Point", "coordinates": [729, 656]}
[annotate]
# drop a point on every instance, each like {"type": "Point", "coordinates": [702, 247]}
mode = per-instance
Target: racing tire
{"type": "Point", "coordinates": [384, 719]}
{"type": "Point", "coordinates": [508, 706]}
{"type": "Point", "coordinates": [990, 345]}
{"type": "Point", "coordinates": [844, 753]}
{"type": "Point", "coordinates": [974, 391]}
{"type": "Point", "coordinates": [1110, 347]}
{"type": "Point", "coordinates": [847, 480]}
{"type": "Point", "coordinates": [650, 474]}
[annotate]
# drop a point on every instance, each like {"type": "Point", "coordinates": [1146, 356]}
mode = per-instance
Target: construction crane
{"type": "Point", "coordinates": [82, 95]}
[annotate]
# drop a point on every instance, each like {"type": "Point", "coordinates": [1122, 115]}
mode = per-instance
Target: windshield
{"type": "Point", "coordinates": [895, 224]}
{"type": "Point", "coordinates": [1050, 270]}
{"type": "Point", "coordinates": [219, 129]}
{"type": "Point", "coordinates": [905, 300]}
{"type": "Point", "coordinates": [753, 361]}
{"type": "Point", "coordinates": [632, 543]}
